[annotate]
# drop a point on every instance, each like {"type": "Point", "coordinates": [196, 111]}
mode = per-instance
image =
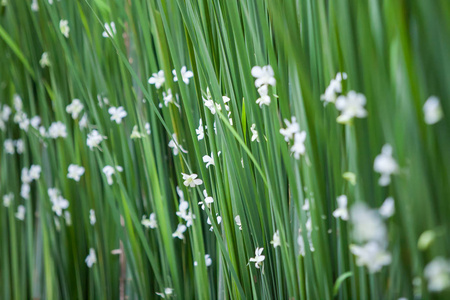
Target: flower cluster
{"type": "Point", "coordinates": [264, 77]}
{"type": "Point", "coordinates": [292, 132]}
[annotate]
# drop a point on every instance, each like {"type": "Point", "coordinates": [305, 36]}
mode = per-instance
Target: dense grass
{"type": "Point", "coordinates": [393, 52]}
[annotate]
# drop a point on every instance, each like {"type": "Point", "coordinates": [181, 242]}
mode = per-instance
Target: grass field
{"type": "Point", "coordinates": [222, 149]}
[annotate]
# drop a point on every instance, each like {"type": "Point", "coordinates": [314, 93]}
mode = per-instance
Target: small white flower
{"type": "Point", "coordinates": [209, 160]}
{"type": "Point", "coordinates": [135, 134]}
{"type": "Point", "coordinates": [371, 255]}
{"type": "Point", "coordinates": [432, 110]}
{"type": "Point", "coordinates": [191, 180]}
{"type": "Point", "coordinates": [208, 261]}
{"type": "Point", "coordinates": [9, 146]}
{"type": "Point", "coordinates": [109, 171]}
{"type": "Point", "coordinates": [34, 6]}
{"type": "Point", "coordinates": [387, 209]}
{"type": "Point", "coordinates": [200, 131]}
{"type": "Point", "coordinates": [44, 61]}
{"type": "Point", "coordinates": [301, 245]}
{"type": "Point", "coordinates": [42, 131]}
{"type": "Point", "coordinates": [53, 193]}
{"type": "Point", "coordinates": [20, 214]}
{"type": "Point", "coordinates": [437, 273]}
{"type": "Point", "coordinates": [386, 165]}
{"type": "Point", "coordinates": [351, 106]}
{"type": "Point", "coordinates": [117, 114]}
{"type": "Point", "coordinates": [59, 203]}
{"type": "Point", "coordinates": [341, 211]}
{"type": "Point", "coordinates": [94, 138]}
{"type": "Point", "coordinates": [5, 113]}
{"type": "Point", "coordinates": [57, 129]}
{"type": "Point", "coordinates": [34, 172]}
{"type": "Point", "coordinates": [185, 74]}
{"type": "Point", "coordinates": [179, 232]}
{"type": "Point", "coordinates": [264, 76]}
{"type": "Point", "coordinates": [176, 147]}
{"type": "Point", "coordinates": [219, 220]}
{"type": "Point", "coordinates": [183, 209]}
{"type": "Point", "coordinates": [92, 218]}
{"type": "Point", "coordinates": [367, 224]}
{"type": "Point", "coordinates": [35, 122]}
{"type": "Point", "coordinates": [25, 191]}
{"type": "Point", "coordinates": [91, 259]}
{"type": "Point", "coordinates": [157, 79]}
{"type": "Point", "coordinates": [18, 104]}
{"type": "Point", "coordinates": [255, 136]}
{"type": "Point", "coordinates": [83, 122]}
{"type": "Point", "coordinates": [7, 199]}
{"type": "Point", "coordinates": [75, 172]}
{"type": "Point", "coordinates": [334, 88]}
{"type": "Point", "coordinates": [167, 292]}
{"type": "Point", "coordinates": [259, 258]}
{"type": "Point", "coordinates": [74, 108]}
{"type": "Point", "coordinates": [168, 98]}
{"type": "Point", "coordinates": [276, 241]}
{"type": "Point", "coordinates": [292, 128]}
{"type": "Point", "coordinates": [264, 98]}
{"type": "Point", "coordinates": [64, 27]}
{"type": "Point", "coordinates": [237, 219]}
{"type": "Point", "coordinates": [207, 201]}
{"type": "Point", "coordinates": [110, 30]}
{"type": "Point", "coordinates": [299, 144]}
{"type": "Point", "coordinates": [147, 128]}
{"type": "Point", "coordinates": [150, 222]}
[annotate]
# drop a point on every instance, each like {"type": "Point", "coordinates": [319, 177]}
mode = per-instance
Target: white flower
{"type": "Point", "coordinates": [209, 160]}
{"type": "Point", "coordinates": [176, 147]}
{"type": "Point", "coordinates": [25, 191]}
{"type": "Point", "coordinates": [168, 98]}
{"type": "Point", "coordinates": [341, 211]}
{"type": "Point", "coordinates": [276, 241]}
{"type": "Point", "coordinates": [292, 128]}
{"type": "Point", "coordinates": [64, 27]}
{"type": "Point", "coordinates": [94, 138]}
{"type": "Point", "coordinates": [237, 219]}
{"type": "Point", "coordinates": [208, 261]}
{"type": "Point", "coordinates": [387, 209]}
{"type": "Point", "coordinates": [18, 104]}
{"type": "Point", "coordinates": [109, 171]}
{"type": "Point", "coordinates": [386, 165]}
{"type": "Point", "coordinates": [185, 74]}
{"type": "Point", "coordinates": [74, 108]}
{"type": "Point", "coordinates": [35, 122]}
{"type": "Point", "coordinates": [264, 98]}
{"type": "Point", "coordinates": [150, 222]}
{"type": "Point", "coordinates": [42, 131]}
{"type": "Point", "coordinates": [258, 259]}
{"type": "Point", "coordinates": [147, 128]}
{"type": "Point", "coordinates": [57, 129]}
{"type": "Point", "coordinates": [5, 113]}
{"type": "Point", "coordinates": [117, 114]}
{"type": "Point", "coordinates": [83, 122]}
{"type": "Point", "coordinates": [219, 220]}
{"type": "Point", "coordinates": [367, 224]}
{"type": "Point", "coordinates": [91, 259]}
{"type": "Point", "coordinates": [179, 232]}
{"type": "Point", "coordinates": [92, 218]}
{"type": "Point", "coordinates": [20, 214]}
{"type": "Point", "coordinates": [7, 199]}
{"type": "Point", "coordinates": [75, 172]}
{"type": "Point", "coordinates": [255, 136]}
{"type": "Point", "coordinates": [167, 292]}
{"type": "Point", "coordinates": [34, 172]}
{"type": "Point", "coordinates": [207, 201]}
{"type": "Point", "coordinates": [437, 273]}
{"type": "Point", "coordinates": [183, 209]}
{"type": "Point", "coordinates": [264, 76]}
{"type": "Point", "coordinates": [334, 88]}
{"type": "Point", "coordinates": [432, 110]}
{"type": "Point", "coordinates": [301, 244]}
{"type": "Point", "coordinates": [299, 144]}
{"type": "Point", "coordinates": [371, 255]}
{"type": "Point", "coordinates": [53, 193]}
{"type": "Point", "coordinates": [157, 79]}
{"type": "Point", "coordinates": [200, 131]}
{"type": "Point", "coordinates": [351, 106]}
{"type": "Point", "coordinates": [9, 146]}
{"type": "Point", "coordinates": [191, 180]}
{"type": "Point", "coordinates": [135, 134]}
{"type": "Point", "coordinates": [34, 5]}
{"type": "Point", "coordinates": [59, 203]}
{"type": "Point", "coordinates": [44, 61]}
{"type": "Point", "coordinates": [110, 30]}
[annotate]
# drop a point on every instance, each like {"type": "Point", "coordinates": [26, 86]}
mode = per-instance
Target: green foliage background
{"type": "Point", "coordinates": [394, 52]}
